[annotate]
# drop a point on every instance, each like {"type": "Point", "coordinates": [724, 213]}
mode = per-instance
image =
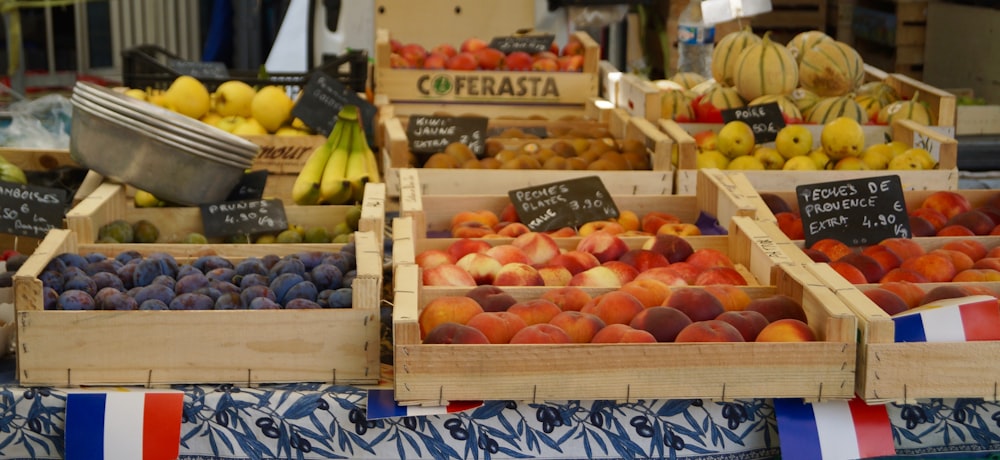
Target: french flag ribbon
{"type": "Point", "coordinates": [128, 424]}
{"type": "Point", "coordinates": [382, 404]}
{"type": "Point", "coordinates": [833, 430]}
{"type": "Point", "coordinates": [962, 319]}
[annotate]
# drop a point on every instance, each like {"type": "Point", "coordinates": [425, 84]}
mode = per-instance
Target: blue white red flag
{"type": "Point", "coordinates": [833, 430]}
{"type": "Point", "coordinates": [130, 424]}
{"type": "Point", "coordinates": [962, 319]}
{"type": "Point", "coordinates": [382, 404]}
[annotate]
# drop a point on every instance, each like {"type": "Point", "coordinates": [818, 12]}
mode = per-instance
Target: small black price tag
{"type": "Point", "coordinates": [530, 44]}
{"type": "Point", "coordinates": [431, 134]}
{"type": "Point", "coordinates": [250, 187]}
{"type": "Point", "coordinates": [765, 120]}
{"type": "Point", "coordinates": [199, 69]}
{"type": "Point", "coordinates": [568, 203]}
{"type": "Point", "coordinates": [246, 217]}
{"type": "Point", "coordinates": [321, 101]}
{"type": "Point", "coordinates": [30, 210]}
{"type": "Point", "coordinates": [857, 212]}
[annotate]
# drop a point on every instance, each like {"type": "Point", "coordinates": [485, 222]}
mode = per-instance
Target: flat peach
{"type": "Point", "coordinates": [447, 275]}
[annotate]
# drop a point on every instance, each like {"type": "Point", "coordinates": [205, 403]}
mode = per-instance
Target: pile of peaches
{"type": "Point", "coordinates": [476, 54]}
{"type": "Point", "coordinates": [635, 313]}
{"type": "Point", "coordinates": [485, 223]}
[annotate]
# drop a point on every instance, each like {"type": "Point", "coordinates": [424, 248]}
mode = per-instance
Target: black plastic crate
{"type": "Point", "coordinates": [145, 66]}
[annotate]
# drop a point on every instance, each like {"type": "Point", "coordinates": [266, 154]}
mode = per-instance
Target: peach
{"type": "Point", "coordinates": [459, 248]}
{"type": "Point", "coordinates": [869, 267]}
{"type": "Point", "coordinates": [454, 333]}
{"type": "Point", "coordinates": [959, 259]}
{"type": "Point", "coordinates": [705, 258]}
{"type": "Point", "coordinates": [575, 261]}
{"type": "Point", "coordinates": [921, 227]}
{"type": "Point", "coordinates": [712, 330]}
{"type": "Point", "coordinates": [509, 213]}
{"type": "Point", "coordinates": [931, 215]}
{"type": "Point", "coordinates": [887, 259]}
{"type": "Point", "coordinates": [511, 229]}
{"type": "Point", "coordinates": [816, 255]}
{"type": "Point", "coordinates": [749, 323]}
{"type": "Point", "coordinates": [622, 333]}
{"type": "Point", "coordinates": [663, 322]}
{"type": "Point", "coordinates": [995, 231]}
{"type": "Point", "coordinates": [539, 247]}
{"type": "Point", "coordinates": [615, 307]}
{"type": "Point", "coordinates": [904, 274]}
{"type": "Point", "coordinates": [567, 298]}
{"type": "Point", "coordinates": [471, 229]}
{"type": "Point", "coordinates": [433, 257]}
{"type": "Point", "coordinates": [947, 202]}
{"type": "Point", "coordinates": [834, 249]}
{"type": "Point", "coordinates": [599, 276]}
{"type": "Point", "coordinates": [543, 333]}
{"type": "Point", "coordinates": [535, 311]}
{"type": "Point", "coordinates": [650, 292]}
{"type": "Point", "coordinates": [988, 262]}
{"type": "Point", "coordinates": [905, 248]}
{"type": "Point", "coordinates": [644, 259]}
{"type": "Point", "coordinates": [955, 230]}
{"type": "Point", "coordinates": [572, 63]}
{"type": "Point", "coordinates": [562, 232]}
{"type": "Point", "coordinates": [778, 306]}
{"type": "Point", "coordinates": [447, 275]}
{"type": "Point", "coordinates": [850, 273]}
{"type": "Point", "coordinates": [674, 247]}
{"type": "Point", "coordinates": [481, 267]}
{"type": "Point", "coordinates": [517, 61]}
{"type": "Point", "coordinates": [936, 268]}
{"type": "Point", "coordinates": [508, 254]}
{"type": "Point", "coordinates": [485, 217]}
{"type": "Point", "coordinates": [992, 211]}
{"type": "Point", "coordinates": [786, 330]}
{"type": "Point", "coordinates": [613, 228]}
{"type": "Point", "coordinates": [580, 327]}
{"type": "Point", "coordinates": [651, 221]}
{"type": "Point", "coordinates": [695, 303]}
{"type": "Point", "coordinates": [624, 271]}
{"type": "Point", "coordinates": [720, 275]}
{"type": "Point", "coordinates": [911, 293]}
{"type": "Point", "coordinates": [603, 245]}
{"type": "Point", "coordinates": [489, 58]}
{"type": "Point", "coordinates": [972, 248]}
{"type": "Point", "coordinates": [497, 326]}
{"type": "Point", "coordinates": [976, 274]}
{"type": "Point", "coordinates": [454, 309]}
{"type": "Point", "coordinates": [791, 225]}
{"type": "Point", "coordinates": [491, 298]}
{"type": "Point", "coordinates": [731, 297]}
{"type": "Point", "coordinates": [689, 273]}
{"type": "Point", "coordinates": [518, 274]}
{"type": "Point", "coordinates": [629, 220]}
{"type": "Point", "coordinates": [555, 276]}
{"type": "Point", "coordinates": [671, 278]}
{"type": "Point", "coordinates": [992, 252]}
{"type": "Point", "coordinates": [775, 203]}
{"type": "Point", "coordinates": [890, 302]}
{"type": "Point", "coordinates": [948, 291]}
{"type": "Point", "coordinates": [679, 229]}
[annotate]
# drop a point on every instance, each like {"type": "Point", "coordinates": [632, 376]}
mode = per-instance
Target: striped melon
{"type": "Point", "coordinates": [831, 68]}
{"type": "Point", "coordinates": [788, 108]}
{"type": "Point", "coordinates": [708, 106]}
{"type": "Point", "coordinates": [676, 105]}
{"type": "Point", "coordinates": [703, 87]}
{"type": "Point", "coordinates": [870, 104]}
{"type": "Point", "coordinates": [906, 110]}
{"type": "Point", "coordinates": [805, 40]}
{"type": "Point", "coordinates": [830, 108]}
{"type": "Point", "coordinates": [880, 90]}
{"type": "Point", "coordinates": [804, 99]}
{"type": "Point", "coordinates": [727, 50]}
{"type": "Point", "coordinates": [765, 68]}
{"type": "Point", "coordinates": [687, 79]}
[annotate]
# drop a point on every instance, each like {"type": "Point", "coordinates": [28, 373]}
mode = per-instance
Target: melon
{"type": "Point", "coordinates": [765, 68]}
{"type": "Point", "coordinates": [790, 112]}
{"type": "Point", "coordinates": [708, 107]}
{"type": "Point", "coordinates": [804, 100]}
{"type": "Point", "coordinates": [727, 50]}
{"type": "Point", "coordinates": [830, 108]}
{"type": "Point", "coordinates": [676, 105]}
{"type": "Point", "coordinates": [805, 40]}
{"type": "Point", "coordinates": [870, 104]}
{"type": "Point", "coordinates": [911, 109]}
{"type": "Point", "coordinates": [831, 68]}
{"type": "Point", "coordinates": [880, 90]}
{"type": "Point", "coordinates": [687, 79]}
{"type": "Point", "coordinates": [668, 85]}
{"type": "Point", "coordinates": [703, 87]}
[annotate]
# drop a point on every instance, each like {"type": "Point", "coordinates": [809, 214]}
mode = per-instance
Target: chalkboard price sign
{"type": "Point", "coordinates": [530, 44]}
{"type": "Point", "coordinates": [250, 186]}
{"type": "Point", "coordinates": [246, 217]}
{"type": "Point", "coordinates": [431, 134]}
{"type": "Point", "coordinates": [199, 69]}
{"type": "Point", "coordinates": [30, 210]}
{"type": "Point", "coordinates": [568, 203]}
{"type": "Point", "coordinates": [765, 120]}
{"type": "Point", "coordinates": [321, 101]}
{"type": "Point", "coordinates": [857, 212]}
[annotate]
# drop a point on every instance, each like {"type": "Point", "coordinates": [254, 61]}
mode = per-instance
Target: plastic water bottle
{"type": "Point", "coordinates": [695, 41]}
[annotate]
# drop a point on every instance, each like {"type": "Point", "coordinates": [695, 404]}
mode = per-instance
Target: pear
{"type": "Point", "coordinates": [233, 98]}
{"type": "Point", "coordinates": [735, 139]}
{"type": "Point", "coordinates": [271, 107]}
{"type": "Point", "coordinates": [188, 96]}
{"type": "Point", "coordinates": [800, 163]}
{"type": "Point", "coordinates": [793, 141]}
{"type": "Point", "coordinates": [842, 137]}
{"type": "Point", "coordinates": [251, 127]}
{"type": "Point", "coordinates": [746, 162]}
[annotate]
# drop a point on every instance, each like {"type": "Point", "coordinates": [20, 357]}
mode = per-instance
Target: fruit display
{"type": "Point", "coordinates": [638, 312]}
{"type": "Point", "coordinates": [476, 54]}
{"type": "Point", "coordinates": [577, 154]}
{"type": "Point", "coordinates": [337, 171]}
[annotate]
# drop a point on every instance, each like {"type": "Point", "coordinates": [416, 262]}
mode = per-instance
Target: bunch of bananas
{"type": "Point", "coordinates": [337, 171]}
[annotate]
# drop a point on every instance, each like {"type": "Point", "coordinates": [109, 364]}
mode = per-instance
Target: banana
{"type": "Point", "coordinates": [371, 162]}
{"type": "Point", "coordinates": [357, 164]}
{"type": "Point", "coordinates": [333, 188]}
{"type": "Point", "coordinates": [305, 190]}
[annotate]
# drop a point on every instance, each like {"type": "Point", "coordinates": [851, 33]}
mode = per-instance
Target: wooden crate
{"type": "Point", "coordinates": [944, 148]}
{"type": "Point", "coordinates": [891, 34]}
{"type": "Point", "coordinates": [283, 157]}
{"type": "Point", "coordinates": [790, 17]}
{"type": "Point", "coordinates": [436, 374]}
{"type": "Point", "coordinates": [396, 156]}
{"type": "Point", "coordinates": [154, 348]}
{"type": "Point", "coordinates": [109, 202]}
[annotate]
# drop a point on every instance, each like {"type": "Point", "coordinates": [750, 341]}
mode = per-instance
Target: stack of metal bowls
{"type": "Point", "coordinates": [176, 158]}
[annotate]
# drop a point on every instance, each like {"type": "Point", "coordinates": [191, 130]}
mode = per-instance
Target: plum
{"type": "Point", "coordinates": [153, 304]}
{"type": "Point", "coordinates": [311, 258]}
{"type": "Point", "coordinates": [287, 265]}
{"type": "Point", "coordinates": [147, 271]}
{"type": "Point", "coordinates": [165, 280]}
{"type": "Point", "coordinates": [263, 303]}
{"type": "Point", "coordinates": [349, 276]}
{"type": "Point", "coordinates": [300, 304]}
{"type": "Point", "coordinates": [188, 269]}
{"type": "Point", "coordinates": [302, 290]}
{"type": "Point", "coordinates": [224, 287]}
{"type": "Point", "coordinates": [211, 292]}
{"type": "Point", "coordinates": [326, 276]}
{"type": "Point", "coordinates": [120, 301]}
{"type": "Point", "coordinates": [191, 283]}
{"type": "Point", "coordinates": [81, 283]}
{"type": "Point", "coordinates": [269, 260]}
{"type": "Point", "coordinates": [192, 301]}
{"type": "Point", "coordinates": [251, 265]}
{"type": "Point", "coordinates": [208, 263]}
{"type": "Point", "coordinates": [221, 274]}
{"type": "Point", "coordinates": [282, 283]}
{"type": "Point", "coordinates": [253, 292]}
{"type": "Point", "coordinates": [229, 301]}
{"type": "Point", "coordinates": [75, 299]}
{"type": "Point", "coordinates": [73, 259]}
{"type": "Point", "coordinates": [106, 265]}
{"type": "Point", "coordinates": [103, 294]}
{"type": "Point", "coordinates": [72, 271]}
{"type": "Point", "coordinates": [50, 298]}
{"type": "Point", "coordinates": [343, 262]}
{"type": "Point", "coordinates": [51, 279]}
{"type": "Point", "coordinates": [127, 274]}
{"type": "Point", "coordinates": [254, 279]}
{"type": "Point", "coordinates": [341, 298]}
{"type": "Point", "coordinates": [106, 279]}
{"type": "Point", "coordinates": [95, 256]}
{"type": "Point", "coordinates": [126, 256]}
{"type": "Point", "coordinates": [155, 291]}
{"type": "Point", "coordinates": [167, 261]}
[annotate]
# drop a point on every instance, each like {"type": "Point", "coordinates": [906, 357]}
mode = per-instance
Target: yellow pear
{"type": "Point", "coordinates": [136, 93]}
{"type": "Point", "coordinates": [188, 96]}
{"type": "Point", "coordinates": [229, 124]}
{"type": "Point", "coordinates": [877, 156]}
{"type": "Point", "coordinates": [793, 141]}
{"type": "Point", "coordinates": [211, 118]}
{"type": "Point", "coordinates": [800, 163]}
{"type": "Point", "coordinates": [746, 162]}
{"type": "Point", "coordinates": [233, 97]}
{"type": "Point", "coordinates": [291, 131]}
{"type": "Point", "coordinates": [898, 147]}
{"type": "Point", "coordinates": [711, 159]}
{"type": "Point", "coordinates": [842, 137]}
{"type": "Point", "coordinates": [851, 164]}
{"type": "Point", "coordinates": [735, 139]}
{"type": "Point", "coordinates": [251, 127]}
{"type": "Point", "coordinates": [769, 157]}
{"type": "Point", "coordinates": [906, 161]}
{"type": "Point", "coordinates": [926, 160]}
{"type": "Point", "coordinates": [271, 107]}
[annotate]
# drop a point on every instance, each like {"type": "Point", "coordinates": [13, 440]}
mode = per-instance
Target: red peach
{"type": "Point", "coordinates": [518, 274]}
{"type": "Point", "coordinates": [664, 275]}
{"type": "Point", "coordinates": [459, 248]}
{"type": "Point", "coordinates": [712, 330]}
{"type": "Point", "coordinates": [911, 293]}
{"type": "Point", "coordinates": [498, 326]}
{"type": "Point", "coordinates": [508, 254]}
{"type": "Point", "coordinates": [931, 215]}
{"type": "Point", "coordinates": [603, 245]}
{"type": "Point", "coordinates": [568, 298]}
{"type": "Point", "coordinates": [447, 275]}
{"type": "Point", "coordinates": [575, 261]}
{"type": "Point", "coordinates": [959, 259]}
{"type": "Point", "coordinates": [481, 267]}
{"type": "Point", "coordinates": [580, 327]}
{"type": "Point", "coordinates": [650, 292]}
{"type": "Point", "coordinates": [976, 275]}
{"type": "Point", "coordinates": [455, 309]}
{"type": "Point", "coordinates": [749, 323]}
{"type": "Point", "coordinates": [622, 333]}
{"type": "Point", "coordinates": [904, 274]}
{"type": "Point", "coordinates": [651, 221]}
{"type": "Point", "coordinates": [624, 271]}
{"type": "Point", "coordinates": [705, 258]}
{"type": "Point", "coordinates": [573, 47]}
{"type": "Point", "coordinates": [535, 311]}
{"type": "Point", "coordinates": [869, 267]}
{"type": "Point", "coordinates": [615, 307]}
{"type": "Point", "coordinates": [518, 61]}
{"type": "Point", "coordinates": [545, 65]}
{"type": "Point", "coordinates": [695, 303]}
{"type": "Point", "coordinates": [572, 63]}
{"type": "Point", "coordinates": [905, 248]}
{"type": "Point", "coordinates": [674, 247]}
{"type": "Point", "coordinates": [890, 302]}
{"type": "Point", "coordinates": [920, 227]}
{"type": "Point", "coordinates": [454, 333]}
{"type": "Point", "coordinates": [887, 259]}
{"type": "Point", "coordinates": [786, 330]}
{"type": "Point", "coordinates": [947, 202]}
{"type": "Point", "coordinates": [543, 333]}
{"type": "Point", "coordinates": [972, 248]}
{"type": "Point", "coordinates": [396, 61]}
{"type": "Point", "coordinates": [791, 225]}
{"type": "Point", "coordinates": [462, 61]}
{"type": "Point", "coordinates": [435, 61]}
{"type": "Point", "coordinates": [433, 257]}
{"type": "Point", "coordinates": [663, 322]}
{"type": "Point", "coordinates": [598, 276]}
{"type": "Point", "coordinates": [539, 247]}
{"type": "Point", "coordinates": [644, 259]}
{"type": "Point", "coordinates": [472, 44]}
{"type": "Point", "coordinates": [445, 49]}
{"type": "Point", "coordinates": [414, 54]}
{"type": "Point", "coordinates": [555, 276]}
{"type": "Point", "coordinates": [850, 273]}
{"type": "Point", "coordinates": [720, 275]}
{"type": "Point", "coordinates": [778, 306]}
{"type": "Point", "coordinates": [491, 298]}
{"type": "Point", "coordinates": [834, 249]}
{"type": "Point", "coordinates": [731, 297]}
{"type": "Point", "coordinates": [489, 58]}
{"type": "Point", "coordinates": [935, 267]}
{"type": "Point", "coordinates": [955, 230]}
